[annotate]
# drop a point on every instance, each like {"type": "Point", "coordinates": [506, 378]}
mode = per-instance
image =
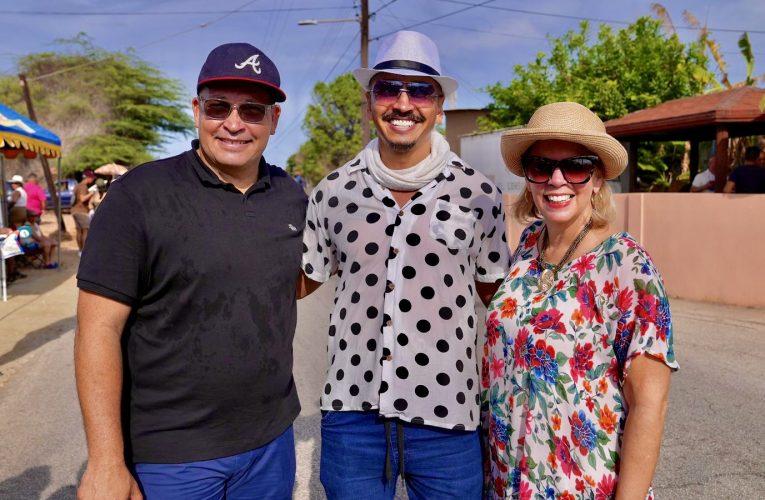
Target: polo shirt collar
{"type": "Point", "coordinates": [207, 176]}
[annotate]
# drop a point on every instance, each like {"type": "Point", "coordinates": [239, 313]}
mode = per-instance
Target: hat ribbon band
{"type": "Point", "coordinates": [406, 64]}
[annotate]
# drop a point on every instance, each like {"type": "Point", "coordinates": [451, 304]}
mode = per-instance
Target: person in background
{"type": "Point", "coordinates": [80, 209]}
{"type": "Point", "coordinates": [300, 179]}
{"type": "Point", "coordinates": [187, 309]}
{"type": "Point", "coordinates": [35, 197]}
{"type": "Point", "coordinates": [748, 177]}
{"type": "Point", "coordinates": [415, 236]}
{"type": "Point", "coordinates": [99, 192]}
{"type": "Point", "coordinates": [576, 368]}
{"type": "Point", "coordinates": [31, 239]}
{"type": "Point", "coordinates": [704, 182]}
{"type": "Point", "coordinates": [17, 208]}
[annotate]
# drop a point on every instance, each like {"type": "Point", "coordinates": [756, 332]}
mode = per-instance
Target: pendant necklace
{"type": "Point", "coordinates": [549, 272]}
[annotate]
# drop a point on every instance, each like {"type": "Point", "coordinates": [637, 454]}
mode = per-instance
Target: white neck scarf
{"type": "Point", "coordinates": [412, 178]}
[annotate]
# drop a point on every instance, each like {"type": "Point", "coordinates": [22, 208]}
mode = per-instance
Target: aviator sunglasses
{"type": "Point", "coordinates": [576, 170]}
{"type": "Point", "coordinates": [249, 112]}
{"type": "Point", "coordinates": [420, 93]}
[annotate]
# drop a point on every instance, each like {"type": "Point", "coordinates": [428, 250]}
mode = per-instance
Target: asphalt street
{"type": "Point", "coordinates": [713, 443]}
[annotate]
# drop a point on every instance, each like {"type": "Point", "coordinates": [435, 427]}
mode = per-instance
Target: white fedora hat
{"type": "Point", "coordinates": [407, 53]}
{"type": "Point", "coordinates": [566, 121]}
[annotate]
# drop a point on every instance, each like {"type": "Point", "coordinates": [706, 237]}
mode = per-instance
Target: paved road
{"type": "Point", "coordinates": [712, 449]}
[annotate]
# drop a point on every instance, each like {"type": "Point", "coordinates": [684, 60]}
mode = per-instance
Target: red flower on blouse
{"type": "Point", "coordinates": [548, 320]}
{"type": "Point", "coordinates": [563, 452]}
{"type": "Point", "coordinates": [492, 328]}
{"type": "Point", "coordinates": [606, 488]}
{"type": "Point", "coordinates": [497, 366]}
{"type": "Point", "coordinates": [522, 348]}
{"type": "Point", "coordinates": [624, 300]}
{"type": "Point", "coordinates": [586, 297]}
{"type": "Point", "coordinates": [645, 310]}
{"type": "Point", "coordinates": [581, 361]}
{"type": "Point", "coordinates": [584, 264]}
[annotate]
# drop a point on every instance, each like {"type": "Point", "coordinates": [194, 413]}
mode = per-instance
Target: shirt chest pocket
{"type": "Point", "coordinates": [452, 225]}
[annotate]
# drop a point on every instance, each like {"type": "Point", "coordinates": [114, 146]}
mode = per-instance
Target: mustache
{"type": "Point", "coordinates": [409, 115]}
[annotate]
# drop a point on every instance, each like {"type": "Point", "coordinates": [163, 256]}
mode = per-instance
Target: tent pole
{"type": "Point", "coordinates": [3, 208]}
{"type": "Point", "coordinates": [58, 213]}
{"type": "Point", "coordinates": [2, 278]}
{"type": "Point", "coordinates": [3, 283]}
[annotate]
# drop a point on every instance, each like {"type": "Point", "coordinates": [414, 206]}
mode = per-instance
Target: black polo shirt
{"type": "Point", "coordinates": [210, 275]}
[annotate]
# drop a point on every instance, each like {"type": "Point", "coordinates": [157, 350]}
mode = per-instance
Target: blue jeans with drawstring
{"type": "Point", "coordinates": [437, 463]}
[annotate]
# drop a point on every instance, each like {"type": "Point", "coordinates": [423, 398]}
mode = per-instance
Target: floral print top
{"type": "Point", "coordinates": [554, 364]}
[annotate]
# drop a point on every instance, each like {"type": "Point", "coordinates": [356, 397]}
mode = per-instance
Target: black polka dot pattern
{"type": "Point", "coordinates": [402, 331]}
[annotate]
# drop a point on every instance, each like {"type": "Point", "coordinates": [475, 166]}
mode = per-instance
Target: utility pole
{"type": "Point", "coordinates": [46, 167]}
{"type": "Point", "coordinates": [363, 20]}
{"type": "Point", "coordinates": [364, 26]}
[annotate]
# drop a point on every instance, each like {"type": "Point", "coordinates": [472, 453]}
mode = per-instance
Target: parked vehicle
{"type": "Point", "coordinates": [66, 193]}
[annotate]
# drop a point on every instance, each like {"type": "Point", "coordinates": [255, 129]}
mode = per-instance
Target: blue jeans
{"type": "Point", "coordinates": [267, 472]}
{"type": "Point", "coordinates": [438, 463]}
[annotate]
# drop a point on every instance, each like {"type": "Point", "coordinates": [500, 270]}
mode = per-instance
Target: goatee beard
{"type": "Point", "coordinates": [400, 147]}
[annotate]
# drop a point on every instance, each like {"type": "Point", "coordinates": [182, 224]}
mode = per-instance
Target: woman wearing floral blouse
{"type": "Point", "coordinates": [577, 363]}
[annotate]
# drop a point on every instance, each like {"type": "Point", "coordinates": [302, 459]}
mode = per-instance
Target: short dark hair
{"type": "Point", "coordinates": [752, 153]}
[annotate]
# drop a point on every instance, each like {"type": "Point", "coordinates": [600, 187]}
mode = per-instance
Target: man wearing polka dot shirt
{"type": "Point", "coordinates": [413, 235]}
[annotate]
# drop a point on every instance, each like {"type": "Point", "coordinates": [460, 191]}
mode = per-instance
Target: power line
{"type": "Point", "coordinates": [476, 30]}
{"type": "Point", "coordinates": [351, 61]}
{"type": "Point", "coordinates": [581, 18]}
{"type": "Point", "coordinates": [339, 59]}
{"type": "Point", "coordinates": [300, 115]}
{"type": "Point", "coordinates": [157, 13]}
{"type": "Point", "coordinates": [470, 6]}
{"type": "Point", "coordinates": [200, 26]}
{"type": "Point", "coordinates": [382, 8]}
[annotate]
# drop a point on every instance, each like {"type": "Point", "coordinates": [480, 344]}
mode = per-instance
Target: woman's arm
{"type": "Point", "coordinates": [646, 389]}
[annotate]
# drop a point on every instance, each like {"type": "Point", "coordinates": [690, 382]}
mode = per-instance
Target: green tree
{"type": "Point", "coordinates": [620, 72]}
{"type": "Point", "coordinates": [106, 106]}
{"type": "Point", "coordinates": [333, 126]}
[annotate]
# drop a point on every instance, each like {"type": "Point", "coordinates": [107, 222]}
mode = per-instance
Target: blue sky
{"type": "Point", "coordinates": [479, 46]}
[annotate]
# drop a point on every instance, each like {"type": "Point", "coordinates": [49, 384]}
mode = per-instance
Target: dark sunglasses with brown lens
{"type": "Point", "coordinates": [249, 112]}
{"type": "Point", "coordinates": [575, 170]}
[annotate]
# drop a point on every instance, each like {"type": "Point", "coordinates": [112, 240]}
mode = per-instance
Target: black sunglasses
{"type": "Point", "coordinates": [249, 112]}
{"type": "Point", "coordinates": [576, 170]}
{"type": "Point", "coordinates": [420, 93]}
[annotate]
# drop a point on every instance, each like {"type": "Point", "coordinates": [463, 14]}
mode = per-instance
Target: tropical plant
{"type": "Point", "coordinates": [333, 126]}
{"type": "Point", "coordinates": [106, 106]}
{"type": "Point", "coordinates": [618, 73]}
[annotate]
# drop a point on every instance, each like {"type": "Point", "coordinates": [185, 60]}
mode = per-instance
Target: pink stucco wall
{"type": "Point", "coordinates": [708, 247]}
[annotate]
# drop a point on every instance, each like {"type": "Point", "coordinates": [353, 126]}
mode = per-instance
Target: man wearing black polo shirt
{"type": "Point", "coordinates": [186, 313]}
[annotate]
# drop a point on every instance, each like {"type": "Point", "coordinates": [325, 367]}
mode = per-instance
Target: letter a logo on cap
{"type": "Point", "coordinates": [251, 61]}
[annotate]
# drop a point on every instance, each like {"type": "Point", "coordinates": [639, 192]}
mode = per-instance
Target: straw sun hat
{"type": "Point", "coordinates": [566, 121]}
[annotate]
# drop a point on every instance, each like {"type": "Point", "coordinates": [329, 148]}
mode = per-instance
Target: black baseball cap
{"type": "Point", "coordinates": [241, 62]}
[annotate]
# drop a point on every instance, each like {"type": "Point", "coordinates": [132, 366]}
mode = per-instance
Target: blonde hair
{"type": "Point", "coordinates": [603, 206]}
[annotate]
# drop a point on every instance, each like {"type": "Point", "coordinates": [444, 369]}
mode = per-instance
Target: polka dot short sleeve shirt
{"type": "Point", "coordinates": [402, 333]}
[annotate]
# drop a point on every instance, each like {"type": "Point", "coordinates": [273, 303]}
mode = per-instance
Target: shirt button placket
{"type": "Point", "coordinates": [389, 309]}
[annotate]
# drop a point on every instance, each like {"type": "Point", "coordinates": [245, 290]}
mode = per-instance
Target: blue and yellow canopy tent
{"type": "Point", "coordinates": [21, 136]}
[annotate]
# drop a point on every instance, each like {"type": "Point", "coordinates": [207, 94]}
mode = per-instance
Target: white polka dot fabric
{"type": "Point", "coordinates": [402, 335]}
